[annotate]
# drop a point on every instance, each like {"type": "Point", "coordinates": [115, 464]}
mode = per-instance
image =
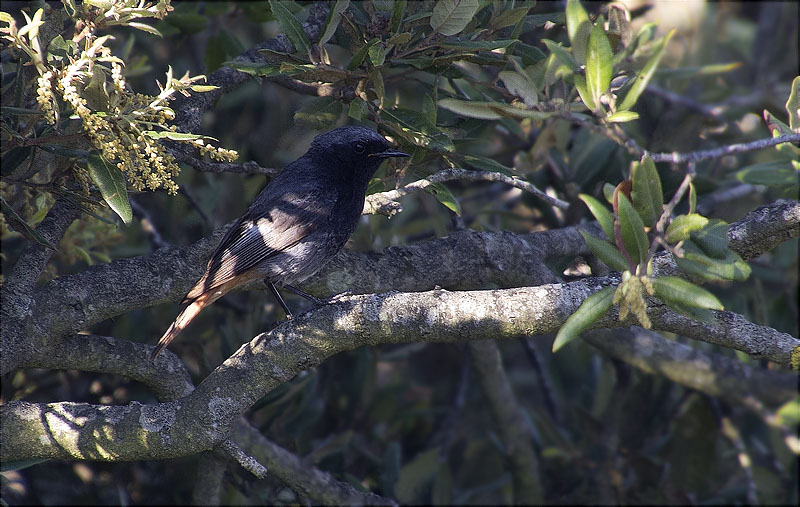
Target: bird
{"type": "Point", "coordinates": [298, 223]}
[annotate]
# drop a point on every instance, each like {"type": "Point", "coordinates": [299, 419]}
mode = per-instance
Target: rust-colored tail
{"type": "Point", "coordinates": [183, 319]}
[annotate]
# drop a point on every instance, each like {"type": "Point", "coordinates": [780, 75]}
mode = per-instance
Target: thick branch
{"type": "Point", "coordinates": [203, 419]}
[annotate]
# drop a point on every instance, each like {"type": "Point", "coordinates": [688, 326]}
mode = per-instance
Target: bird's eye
{"type": "Point", "coordinates": [359, 148]}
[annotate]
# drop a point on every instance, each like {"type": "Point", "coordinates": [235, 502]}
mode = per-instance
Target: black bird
{"type": "Point", "coordinates": [298, 223]}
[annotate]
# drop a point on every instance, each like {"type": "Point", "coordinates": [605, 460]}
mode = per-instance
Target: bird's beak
{"type": "Point", "coordinates": [389, 153]}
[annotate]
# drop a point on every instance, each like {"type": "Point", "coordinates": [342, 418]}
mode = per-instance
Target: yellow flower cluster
{"type": "Point", "coordinates": [44, 96]}
{"type": "Point", "coordinates": [630, 297]}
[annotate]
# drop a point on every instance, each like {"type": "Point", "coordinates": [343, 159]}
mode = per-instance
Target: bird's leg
{"type": "Point", "coordinates": [313, 299]}
{"type": "Point", "coordinates": [279, 298]}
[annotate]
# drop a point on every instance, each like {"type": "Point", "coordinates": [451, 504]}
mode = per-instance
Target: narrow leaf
{"type": "Point", "coordinates": [290, 26]}
{"type": "Point", "coordinates": [598, 62]}
{"type": "Point", "coordinates": [111, 183]}
{"type": "Point", "coordinates": [334, 18]}
{"type": "Point", "coordinates": [643, 77]}
{"type": "Point", "coordinates": [561, 54]}
{"type": "Point", "coordinates": [793, 105]}
{"type": "Point", "coordinates": [622, 116]}
{"type": "Point", "coordinates": [602, 214]}
{"type": "Point", "coordinates": [519, 85]}
{"type": "Point", "coordinates": [606, 252]}
{"type": "Point", "coordinates": [632, 229]}
{"type": "Point", "coordinates": [21, 226]}
{"type": "Point", "coordinates": [443, 194]}
{"type": "Point", "coordinates": [593, 307]}
{"type": "Point", "coordinates": [647, 196]}
{"type": "Point", "coordinates": [509, 18]}
{"type": "Point", "coordinates": [469, 109]}
{"type": "Point", "coordinates": [673, 289]}
{"type": "Point", "coordinates": [578, 29]}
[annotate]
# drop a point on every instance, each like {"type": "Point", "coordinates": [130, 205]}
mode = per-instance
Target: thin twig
{"type": "Point", "coordinates": [247, 462]}
{"type": "Point", "coordinates": [678, 158]}
{"type": "Point", "coordinates": [385, 202]}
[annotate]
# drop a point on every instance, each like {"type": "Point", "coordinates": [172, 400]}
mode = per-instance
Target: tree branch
{"type": "Point", "coordinates": [204, 418]}
{"type": "Point", "coordinates": [386, 203]}
{"type": "Point", "coordinates": [678, 158]}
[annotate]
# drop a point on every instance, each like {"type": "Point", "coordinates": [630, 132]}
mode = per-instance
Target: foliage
{"type": "Point", "coordinates": [562, 97]}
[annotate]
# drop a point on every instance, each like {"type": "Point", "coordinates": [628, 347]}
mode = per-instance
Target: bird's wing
{"type": "Point", "coordinates": [271, 225]}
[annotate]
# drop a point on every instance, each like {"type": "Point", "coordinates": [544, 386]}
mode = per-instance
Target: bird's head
{"type": "Point", "coordinates": [357, 148]}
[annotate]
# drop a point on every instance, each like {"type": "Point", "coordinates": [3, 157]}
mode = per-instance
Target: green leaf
{"type": "Point", "coordinates": [449, 17]}
{"type": "Point", "coordinates": [776, 173]}
{"type": "Point", "coordinates": [530, 54]}
{"type": "Point", "coordinates": [644, 76]}
{"type": "Point", "coordinates": [203, 88]}
{"type": "Point", "coordinates": [583, 91]}
{"type": "Point", "coordinates": [578, 29]}
{"type": "Point", "coordinates": [598, 62]}
{"type": "Point", "coordinates": [358, 58]}
{"type": "Point", "coordinates": [111, 183]}
{"type": "Point", "coordinates": [443, 194]}
{"type": "Point", "coordinates": [713, 239]}
{"type": "Point", "coordinates": [486, 45]}
{"type": "Point", "coordinates": [469, 109]}
{"type": "Point", "coordinates": [415, 476]}
{"type": "Point", "coordinates": [592, 308]}
{"type": "Point", "coordinates": [606, 252]}
{"type": "Point", "coordinates": [429, 109]}
{"type": "Point", "coordinates": [673, 289]}
{"type": "Point", "coordinates": [518, 112]}
{"type": "Point", "coordinates": [377, 54]}
{"type": "Point", "coordinates": [334, 18]}
{"type": "Point", "coordinates": [358, 109]}
{"type": "Point", "coordinates": [562, 54]}
{"type": "Point", "coordinates": [398, 12]}
{"type": "Point", "coordinates": [793, 105]}
{"type": "Point", "coordinates": [602, 214]}
{"type": "Point", "coordinates": [696, 263]}
{"type": "Point", "coordinates": [377, 85]}
{"type": "Point", "coordinates": [509, 18]}
{"type": "Point", "coordinates": [647, 196]}
{"type": "Point", "coordinates": [608, 192]}
{"type": "Point", "coordinates": [622, 116]}
{"type": "Point", "coordinates": [21, 226]}
{"type": "Point", "coordinates": [692, 197]}
{"type": "Point", "coordinates": [632, 228]}
{"type": "Point", "coordinates": [519, 85]}
{"type": "Point", "coordinates": [291, 26]}
{"type": "Point", "coordinates": [682, 226]}
{"type": "Point", "coordinates": [318, 113]}
{"type": "Point", "coordinates": [486, 164]}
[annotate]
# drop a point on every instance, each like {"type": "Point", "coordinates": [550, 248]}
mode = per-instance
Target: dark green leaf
{"type": "Point", "coordinates": [530, 54]}
{"type": "Point", "coordinates": [632, 229]}
{"type": "Point", "coordinates": [318, 113]}
{"type": "Point", "coordinates": [606, 252]}
{"type": "Point", "coordinates": [469, 109]}
{"type": "Point", "coordinates": [776, 173]}
{"type": "Point", "coordinates": [602, 214]}
{"type": "Point", "coordinates": [674, 289]}
{"type": "Point", "coordinates": [713, 239]}
{"type": "Point", "coordinates": [486, 45]}
{"type": "Point", "coordinates": [13, 158]}
{"type": "Point", "coordinates": [592, 308]}
{"type": "Point", "coordinates": [487, 164]}
{"type": "Point", "coordinates": [509, 18]}
{"type": "Point", "coordinates": [415, 477]}
{"type": "Point", "coordinates": [443, 194]}
{"type": "Point", "coordinates": [562, 54]}
{"type": "Point", "coordinates": [21, 226]}
{"type": "Point", "coordinates": [290, 26]}
{"type": "Point", "coordinates": [696, 263]}
{"type": "Point", "coordinates": [334, 18]}
{"type": "Point", "coordinates": [111, 183]}
{"type": "Point", "coordinates": [377, 55]}
{"type": "Point", "coordinates": [647, 196]}
{"type": "Point", "coordinates": [358, 58]}
{"type": "Point", "coordinates": [449, 17]}
{"type": "Point", "coordinates": [358, 109]}
{"type": "Point", "coordinates": [398, 12]}
{"type": "Point", "coordinates": [644, 76]}
{"type": "Point", "coordinates": [682, 226]}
